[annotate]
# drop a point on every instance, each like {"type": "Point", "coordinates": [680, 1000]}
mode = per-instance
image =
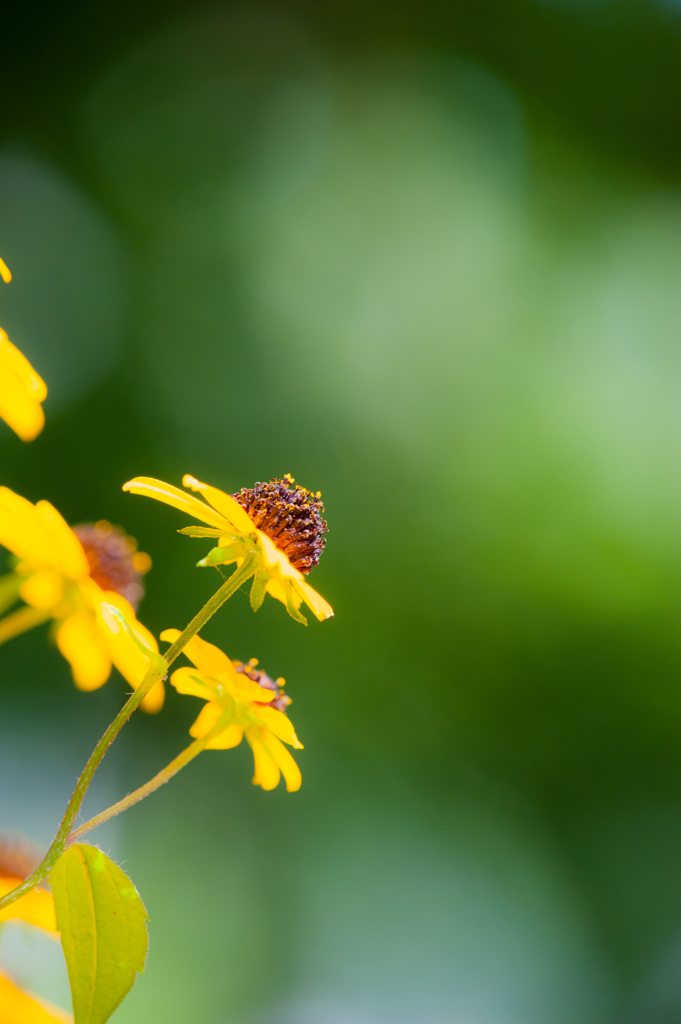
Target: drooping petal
{"type": "Point", "coordinates": [186, 680]}
{"type": "Point", "coordinates": [69, 556]}
{"type": "Point", "coordinates": [18, 407]}
{"type": "Point", "coordinates": [19, 1007]}
{"type": "Point", "coordinates": [283, 760]}
{"type": "Point", "coordinates": [170, 495]}
{"type": "Point", "coordinates": [12, 357]}
{"type": "Point", "coordinates": [276, 559]}
{"type": "Point", "coordinates": [266, 770]}
{"type": "Point", "coordinates": [229, 737]}
{"type": "Point", "coordinates": [130, 661]}
{"type": "Point", "coordinates": [5, 272]}
{"type": "Point", "coordinates": [153, 701]}
{"type": "Point", "coordinates": [207, 717]}
{"type": "Point", "coordinates": [22, 532]}
{"type": "Point", "coordinates": [82, 643]}
{"type": "Point", "coordinates": [249, 690]}
{"type": "Point", "coordinates": [224, 503]}
{"type": "Point", "coordinates": [36, 907]}
{"type": "Point", "coordinates": [207, 657]}
{"type": "Point", "coordinates": [279, 724]}
{"type": "Point", "coordinates": [44, 589]}
{"type": "Point", "coordinates": [315, 602]}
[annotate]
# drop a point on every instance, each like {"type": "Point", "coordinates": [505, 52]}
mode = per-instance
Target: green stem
{"type": "Point", "coordinates": [165, 775]}
{"type": "Point", "coordinates": [155, 673]}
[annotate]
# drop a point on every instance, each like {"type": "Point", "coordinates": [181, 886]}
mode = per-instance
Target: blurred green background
{"type": "Point", "coordinates": [425, 257]}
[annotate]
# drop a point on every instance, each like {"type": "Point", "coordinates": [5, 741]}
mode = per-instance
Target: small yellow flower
{"type": "Point", "coordinates": [250, 698]}
{"type": "Point", "coordinates": [62, 577]}
{"type": "Point", "coordinates": [21, 389]}
{"type": "Point", "coordinates": [20, 1007]}
{"type": "Point", "coordinates": [278, 522]}
{"type": "Point", "coordinates": [35, 908]}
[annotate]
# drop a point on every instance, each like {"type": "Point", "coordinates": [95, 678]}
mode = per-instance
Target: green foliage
{"type": "Point", "coordinates": [103, 931]}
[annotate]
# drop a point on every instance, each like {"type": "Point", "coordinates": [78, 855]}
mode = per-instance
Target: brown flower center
{"type": "Point", "coordinates": [290, 516]}
{"type": "Point", "coordinates": [115, 563]}
{"type": "Point", "coordinates": [281, 701]}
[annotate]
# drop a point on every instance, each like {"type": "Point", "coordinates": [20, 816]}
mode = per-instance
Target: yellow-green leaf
{"type": "Point", "coordinates": [102, 921]}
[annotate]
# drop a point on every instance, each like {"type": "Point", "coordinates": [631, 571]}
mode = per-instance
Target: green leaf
{"type": "Point", "coordinates": [103, 929]}
{"type": "Point", "coordinates": [221, 556]}
{"type": "Point", "coordinates": [201, 531]}
{"type": "Point", "coordinates": [260, 581]}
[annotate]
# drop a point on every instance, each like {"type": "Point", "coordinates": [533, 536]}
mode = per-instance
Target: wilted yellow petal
{"type": "Point", "coordinates": [284, 761]}
{"type": "Point", "coordinates": [224, 503]}
{"type": "Point", "coordinates": [18, 1007]}
{"type": "Point", "coordinates": [36, 907]}
{"type": "Point", "coordinates": [279, 724]}
{"type": "Point", "coordinates": [170, 495]}
{"type": "Point", "coordinates": [82, 643]}
{"type": "Point", "coordinates": [185, 680]}
{"type": "Point", "coordinates": [266, 771]}
{"type": "Point", "coordinates": [43, 589]}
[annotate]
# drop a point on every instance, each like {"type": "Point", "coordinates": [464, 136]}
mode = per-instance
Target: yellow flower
{"type": "Point", "coordinates": [278, 522]}
{"type": "Point", "coordinates": [21, 389]}
{"type": "Point", "coordinates": [253, 702]}
{"type": "Point", "coordinates": [19, 1007]}
{"type": "Point", "coordinates": [64, 578]}
{"type": "Point", "coordinates": [36, 908]}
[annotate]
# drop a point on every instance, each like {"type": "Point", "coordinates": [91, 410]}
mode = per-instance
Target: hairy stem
{"type": "Point", "coordinates": [157, 670]}
{"type": "Point", "coordinates": [165, 775]}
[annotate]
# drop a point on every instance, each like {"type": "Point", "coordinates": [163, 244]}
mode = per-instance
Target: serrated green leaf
{"type": "Point", "coordinates": [102, 921]}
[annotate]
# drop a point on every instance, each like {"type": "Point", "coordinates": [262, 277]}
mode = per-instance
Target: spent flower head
{"type": "Point", "coordinates": [279, 524]}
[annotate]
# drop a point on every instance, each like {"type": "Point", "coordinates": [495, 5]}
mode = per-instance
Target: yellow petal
{"type": "Point", "coordinates": [230, 737]}
{"type": "Point", "coordinates": [82, 643]}
{"type": "Point", "coordinates": [266, 771]}
{"type": "Point", "coordinates": [151, 488]}
{"type": "Point", "coordinates": [69, 556]}
{"type": "Point", "coordinates": [315, 602]}
{"type": "Point", "coordinates": [224, 503]}
{"type": "Point", "coordinates": [22, 531]}
{"type": "Point", "coordinates": [207, 657]}
{"type": "Point", "coordinates": [274, 558]}
{"type": "Point", "coordinates": [36, 907]}
{"type": "Point", "coordinates": [5, 272]}
{"type": "Point", "coordinates": [43, 589]}
{"type": "Point", "coordinates": [19, 408]}
{"type": "Point", "coordinates": [284, 761]}
{"type": "Point", "coordinates": [18, 1007]}
{"type": "Point", "coordinates": [207, 718]}
{"type": "Point", "coordinates": [279, 724]}
{"type": "Point", "coordinates": [153, 701]}
{"type": "Point", "coordinates": [186, 680]}
{"type": "Point", "coordinates": [12, 358]}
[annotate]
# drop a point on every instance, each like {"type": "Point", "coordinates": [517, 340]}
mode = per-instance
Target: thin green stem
{"type": "Point", "coordinates": [157, 670]}
{"type": "Point", "coordinates": [165, 775]}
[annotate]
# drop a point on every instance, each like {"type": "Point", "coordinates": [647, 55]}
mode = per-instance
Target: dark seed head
{"type": "Point", "coordinates": [290, 516]}
{"type": "Point", "coordinates": [115, 563]}
{"type": "Point", "coordinates": [281, 701]}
